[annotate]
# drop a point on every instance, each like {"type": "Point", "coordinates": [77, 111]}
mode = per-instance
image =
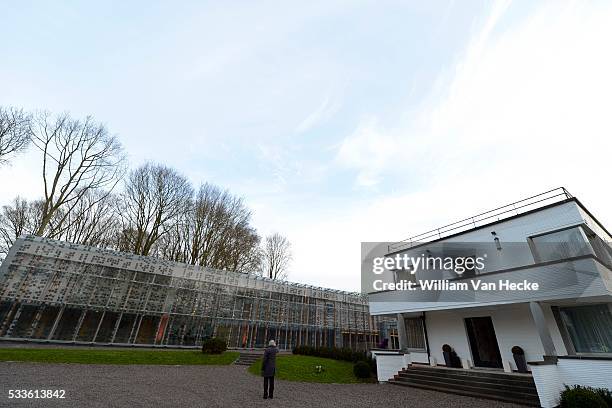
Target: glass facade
{"type": "Point", "coordinates": [589, 327]}
{"type": "Point", "coordinates": [563, 244]}
{"type": "Point", "coordinates": [56, 291]}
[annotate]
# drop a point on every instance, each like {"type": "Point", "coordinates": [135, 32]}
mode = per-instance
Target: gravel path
{"type": "Point", "coordinates": [203, 386]}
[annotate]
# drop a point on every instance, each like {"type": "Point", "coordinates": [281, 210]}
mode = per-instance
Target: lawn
{"type": "Point", "coordinates": [302, 368]}
{"type": "Point", "coordinates": [97, 356]}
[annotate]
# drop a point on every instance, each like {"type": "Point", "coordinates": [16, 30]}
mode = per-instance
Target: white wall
{"type": "Point", "coordinates": [388, 365]}
{"type": "Point", "coordinates": [512, 231]}
{"type": "Point", "coordinates": [551, 379]}
{"type": "Point", "coordinates": [419, 357]}
{"type": "Point", "coordinates": [579, 278]}
{"type": "Point", "coordinates": [513, 326]}
{"type": "Point", "coordinates": [447, 327]}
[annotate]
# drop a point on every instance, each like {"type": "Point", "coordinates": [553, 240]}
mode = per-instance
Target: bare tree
{"type": "Point", "coordinates": [14, 132]}
{"type": "Point", "coordinates": [220, 233]}
{"type": "Point", "coordinates": [242, 253]}
{"type": "Point", "coordinates": [77, 157]}
{"type": "Point", "coordinates": [154, 199]}
{"type": "Point", "coordinates": [214, 232]}
{"type": "Point", "coordinates": [91, 222]}
{"type": "Point", "coordinates": [17, 218]}
{"type": "Point", "coordinates": [276, 257]}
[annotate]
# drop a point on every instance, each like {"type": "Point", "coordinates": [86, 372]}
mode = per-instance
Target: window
{"type": "Point", "coordinates": [589, 327]}
{"type": "Point", "coordinates": [567, 243]}
{"type": "Point", "coordinates": [403, 275]}
{"type": "Point", "coordinates": [603, 249]}
{"type": "Point", "coordinates": [414, 333]}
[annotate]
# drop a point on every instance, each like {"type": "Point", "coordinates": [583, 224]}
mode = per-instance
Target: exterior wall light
{"type": "Point", "coordinates": [496, 239]}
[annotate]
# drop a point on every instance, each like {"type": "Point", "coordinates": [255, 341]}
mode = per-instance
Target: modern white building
{"type": "Point", "coordinates": [551, 242]}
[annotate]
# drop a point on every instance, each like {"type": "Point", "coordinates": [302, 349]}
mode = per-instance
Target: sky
{"type": "Point", "coordinates": [337, 121]}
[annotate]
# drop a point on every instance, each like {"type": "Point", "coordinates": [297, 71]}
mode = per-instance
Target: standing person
{"type": "Point", "coordinates": [268, 369]}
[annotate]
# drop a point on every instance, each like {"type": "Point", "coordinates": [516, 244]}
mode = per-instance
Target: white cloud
{"type": "Point", "coordinates": [323, 112]}
{"type": "Point", "coordinates": [525, 109]}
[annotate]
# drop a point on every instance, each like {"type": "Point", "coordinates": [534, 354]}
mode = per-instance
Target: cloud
{"type": "Point", "coordinates": [523, 110]}
{"type": "Point", "coordinates": [528, 94]}
{"type": "Point", "coordinates": [322, 113]}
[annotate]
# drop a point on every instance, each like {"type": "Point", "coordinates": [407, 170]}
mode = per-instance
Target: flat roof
{"type": "Point", "coordinates": [539, 202]}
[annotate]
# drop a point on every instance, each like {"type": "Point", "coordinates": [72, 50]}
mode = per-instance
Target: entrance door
{"type": "Point", "coordinates": [483, 342]}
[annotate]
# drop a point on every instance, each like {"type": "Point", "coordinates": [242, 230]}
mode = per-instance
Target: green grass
{"type": "Point", "coordinates": [302, 368]}
{"type": "Point", "coordinates": [97, 356]}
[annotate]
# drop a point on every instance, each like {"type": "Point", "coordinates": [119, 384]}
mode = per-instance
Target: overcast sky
{"type": "Point", "coordinates": [338, 122]}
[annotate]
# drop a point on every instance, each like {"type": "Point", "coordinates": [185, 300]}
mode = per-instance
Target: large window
{"type": "Point", "coordinates": [602, 249]}
{"type": "Point", "coordinates": [414, 333]}
{"type": "Point", "coordinates": [589, 327]}
{"type": "Point", "coordinates": [553, 246]}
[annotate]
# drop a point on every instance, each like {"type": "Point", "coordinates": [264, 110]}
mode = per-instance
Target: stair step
{"type": "Point", "coordinates": [495, 381]}
{"type": "Point", "coordinates": [489, 387]}
{"type": "Point", "coordinates": [247, 359]}
{"type": "Point", "coordinates": [525, 400]}
{"type": "Point", "coordinates": [470, 373]}
{"type": "Point", "coordinates": [517, 388]}
{"type": "Point", "coordinates": [476, 387]}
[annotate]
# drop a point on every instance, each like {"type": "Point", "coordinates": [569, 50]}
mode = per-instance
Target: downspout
{"type": "Point", "coordinates": [426, 338]}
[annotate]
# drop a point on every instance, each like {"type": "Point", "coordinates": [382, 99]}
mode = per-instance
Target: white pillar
{"type": "Point", "coordinates": [401, 332]}
{"type": "Point", "coordinates": [540, 321]}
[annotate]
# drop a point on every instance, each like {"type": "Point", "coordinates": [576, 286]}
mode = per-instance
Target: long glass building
{"type": "Point", "coordinates": [60, 292]}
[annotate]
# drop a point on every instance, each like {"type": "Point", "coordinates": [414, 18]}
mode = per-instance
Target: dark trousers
{"type": "Point", "coordinates": [269, 386]}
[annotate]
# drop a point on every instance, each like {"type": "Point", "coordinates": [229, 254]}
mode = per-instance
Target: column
{"type": "Point", "coordinates": [540, 321]}
{"type": "Point", "coordinates": [401, 332]}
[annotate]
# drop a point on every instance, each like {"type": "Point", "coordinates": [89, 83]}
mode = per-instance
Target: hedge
{"type": "Point", "coordinates": [336, 353]}
{"type": "Point", "coordinates": [213, 346]}
{"type": "Point", "coordinates": [579, 397]}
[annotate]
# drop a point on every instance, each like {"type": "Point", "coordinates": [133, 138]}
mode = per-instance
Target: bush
{"type": "Point", "coordinates": [582, 397]}
{"type": "Point", "coordinates": [335, 353]}
{"type": "Point", "coordinates": [606, 395]}
{"type": "Point", "coordinates": [361, 369]}
{"type": "Point", "coordinates": [213, 346]}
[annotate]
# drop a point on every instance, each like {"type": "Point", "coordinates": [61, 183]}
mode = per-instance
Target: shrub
{"type": "Point", "coordinates": [343, 354]}
{"type": "Point", "coordinates": [335, 353]}
{"type": "Point", "coordinates": [582, 397]}
{"type": "Point", "coordinates": [372, 363]}
{"type": "Point", "coordinates": [361, 369]}
{"type": "Point", "coordinates": [213, 346]}
{"type": "Point", "coordinates": [606, 395]}
{"type": "Point", "coordinates": [518, 350]}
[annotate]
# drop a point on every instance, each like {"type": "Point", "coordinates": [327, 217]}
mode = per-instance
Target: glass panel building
{"type": "Point", "coordinates": [61, 292]}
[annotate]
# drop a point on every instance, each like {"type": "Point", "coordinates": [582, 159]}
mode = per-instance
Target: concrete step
{"type": "Point", "coordinates": [517, 399]}
{"type": "Point", "coordinates": [247, 359]}
{"type": "Point", "coordinates": [459, 379]}
{"type": "Point", "coordinates": [509, 387]}
{"type": "Point", "coordinates": [458, 373]}
{"type": "Point", "coordinates": [475, 386]}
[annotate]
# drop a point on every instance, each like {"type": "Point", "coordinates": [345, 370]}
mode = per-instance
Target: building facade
{"type": "Point", "coordinates": [564, 327]}
{"type": "Point", "coordinates": [60, 292]}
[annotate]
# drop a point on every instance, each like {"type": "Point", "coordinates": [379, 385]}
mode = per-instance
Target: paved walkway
{"type": "Point", "coordinates": [203, 386]}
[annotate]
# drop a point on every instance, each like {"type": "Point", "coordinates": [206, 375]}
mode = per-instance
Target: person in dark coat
{"type": "Point", "coordinates": [268, 369]}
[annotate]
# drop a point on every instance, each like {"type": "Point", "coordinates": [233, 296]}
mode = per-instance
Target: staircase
{"type": "Point", "coordinates": [247, 359]}
{"type": "Point", "coordinates": [500, 386]}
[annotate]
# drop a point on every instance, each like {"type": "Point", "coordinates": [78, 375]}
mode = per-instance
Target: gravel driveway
{"type": "Point", "coordinates": [202, 386]}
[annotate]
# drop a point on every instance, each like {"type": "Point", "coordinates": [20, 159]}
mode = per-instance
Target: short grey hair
{"type": "Point", "coordinates": [272, 343]}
